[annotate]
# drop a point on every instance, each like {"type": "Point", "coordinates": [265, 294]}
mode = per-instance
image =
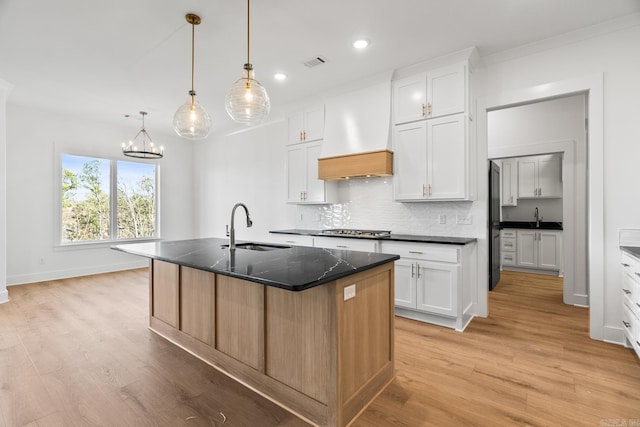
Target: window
{"type": "Point", "coordinates": [104, 200]}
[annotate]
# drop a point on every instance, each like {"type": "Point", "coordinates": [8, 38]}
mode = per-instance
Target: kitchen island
{"type": "Point", "coordinates": [311, 329]}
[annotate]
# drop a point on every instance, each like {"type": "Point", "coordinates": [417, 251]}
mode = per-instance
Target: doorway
{"type": "Point", "coordinates": [540, 128]}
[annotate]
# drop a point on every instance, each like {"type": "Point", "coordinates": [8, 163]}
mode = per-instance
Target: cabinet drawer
{"type": "Point", "coordinates": [508, 244]}
{"type": "Point", "coordinates": [426, 251]}
{"type": "Point", "coordinates": [507, 234]}
{"type": "Point", "coordinates": [346, 244]}
{"type": "Point", "coordinates": [291, 239]}
{"type": "Point", "coordinates": [509, 258]}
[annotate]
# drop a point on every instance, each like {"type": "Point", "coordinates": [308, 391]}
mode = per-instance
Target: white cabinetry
{"type": "Point", "coordinates": [303, 185]}
{"type": "Point", "coordinates": [433, 282]}
{"type": "Point", "coordinates": [540, 176]}
{"type": "Point", "coordinates": [509, 183]}
{"type": "Point", "coordinates": [363, 245]}
{"type": "Point", "coordinates": [432, 160]}
{"type": "Point", "coordinates": [306, 125]}
{"type": "Point", "coordinates": [539, 249]}
{"type": "Point", "coordinates": [631, 300]}
{"type": "Point", "coordinates": [291, 239]}
{"type": "Point", "coordinates": [439, 92]}
{"type": "Point", "coordinates": [508, 239]}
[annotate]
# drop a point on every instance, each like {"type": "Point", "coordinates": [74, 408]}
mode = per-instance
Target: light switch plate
{"type": "Point", "coordinates": [349, 292]}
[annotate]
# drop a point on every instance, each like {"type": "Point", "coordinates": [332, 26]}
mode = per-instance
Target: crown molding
{"type": "Point", "coordinates": [597, 30]}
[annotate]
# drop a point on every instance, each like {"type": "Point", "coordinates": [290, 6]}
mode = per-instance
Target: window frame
{"type": "Point", "coordinates": [113, 202]}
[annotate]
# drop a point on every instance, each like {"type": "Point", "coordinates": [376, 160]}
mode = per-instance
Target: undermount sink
{"type": "Point", "coordinates": [258, 246]}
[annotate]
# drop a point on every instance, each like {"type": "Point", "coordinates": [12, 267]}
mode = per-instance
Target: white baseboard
{"type": "Point", "coordinates": [4, 296]}
{"type": "Point", "coordinates": [614, 335]}
{"type": "Point", "coordinates": [21, 279]}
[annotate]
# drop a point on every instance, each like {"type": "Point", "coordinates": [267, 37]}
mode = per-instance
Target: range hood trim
{"type": "Point", "coordinates": [358, 165]}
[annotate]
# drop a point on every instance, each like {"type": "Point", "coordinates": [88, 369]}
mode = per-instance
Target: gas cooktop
{"type": "Point", "coordinates": [356, 233]}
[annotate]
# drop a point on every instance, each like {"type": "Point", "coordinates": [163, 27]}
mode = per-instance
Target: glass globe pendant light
{"type": "Point", "coordinates": [191, 120]}
{"type": "Point", "coordinates": [247, 101]}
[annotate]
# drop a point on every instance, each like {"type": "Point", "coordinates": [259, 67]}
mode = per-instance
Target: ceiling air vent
{"type": "Point", "coordinates": [313, 62]}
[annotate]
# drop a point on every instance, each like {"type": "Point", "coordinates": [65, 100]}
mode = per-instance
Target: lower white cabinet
{"type": "Point", "coordinates": [291, 239]}
{"type": "Point", "coordinates": [433, 282]}
{"type": "Point", "coordinates": [541, 249]}
{"type": "Point", "coordinates": [631, 300]}
{"type": "Point", "coordinates": [362, 245]}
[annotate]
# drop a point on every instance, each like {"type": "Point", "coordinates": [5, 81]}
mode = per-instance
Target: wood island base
{"type": "Point", "coordinates": [311, 352]}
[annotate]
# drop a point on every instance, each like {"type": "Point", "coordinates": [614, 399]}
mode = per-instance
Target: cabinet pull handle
{"type": "Point", "coordinates": [626, 324]}
{"type": "Point", "coordinates": [638, 305]}
{"type": "Point", "coordinates": [304, 135]}
{"type": "Point", "coordinates": [625, 265]}
{"type": "Point", "coordinates": [300, 137]}
{"type": "Point", "coordinates": [626, 291]}
{"type": "Point", "coordinates": [413, 266]}
{"type": "Point", "coordinates": [429, 190]}
{"type": "Point", "coordinates": [637, 274]}
{"type": "Point", "coordinates": [418, 270]}
{"type": "Point", "coordinates": [540, 191]}
{"type": "Point", "coordinates": [416, 252]}
{"type": "Point", "coordinates": [423, 110]}
{"type": "Point", "coordinates": [424, 190]}
{"type": "Point", "coordinates": [342, 246]}
{"type": "Point", "coordinates": [428, 109]}
{"type": "Point", "coordinates": [289, 241]}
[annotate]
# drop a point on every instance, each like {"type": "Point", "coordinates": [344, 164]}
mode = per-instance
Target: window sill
{"type": "Point", "coordinates": [99, 245]}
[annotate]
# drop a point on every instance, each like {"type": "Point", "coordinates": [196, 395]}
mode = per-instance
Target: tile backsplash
{"type": "Point", "coordinates": [368, 204]}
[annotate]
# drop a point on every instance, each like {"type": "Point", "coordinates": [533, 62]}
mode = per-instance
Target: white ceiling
{"type": "Point", "coordinates": [105, 59]}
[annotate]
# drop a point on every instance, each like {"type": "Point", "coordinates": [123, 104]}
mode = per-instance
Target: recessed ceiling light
{"type": "Point", "coordinates": [280, 76]}
{"type": "Point", "coordinates": [361, 44]}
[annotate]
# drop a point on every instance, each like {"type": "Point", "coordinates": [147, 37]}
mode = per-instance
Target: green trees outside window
{"type": "Point", "coordinates": [106, 200]}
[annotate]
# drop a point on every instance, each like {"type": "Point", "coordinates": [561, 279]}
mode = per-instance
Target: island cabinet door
{"type": "Point", "coordinates": [197, 304]}
{"type": "Point", "coordinates": [165, 284]}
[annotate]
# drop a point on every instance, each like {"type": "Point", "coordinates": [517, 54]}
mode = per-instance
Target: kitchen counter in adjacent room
{"type": "Point", "coordinates": [542, 225]}
{"type": "Point", "coordinates": [311, 329]}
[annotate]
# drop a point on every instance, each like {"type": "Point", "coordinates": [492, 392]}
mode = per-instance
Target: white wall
{"type": "Point", "coordinates": [247, 167]}
{"type": "Point", "coordinates": [33, 137]}
{"type": "Point", "coordinates": [5, 88]}
{"type": "Point", "coordinates": [614, 53]}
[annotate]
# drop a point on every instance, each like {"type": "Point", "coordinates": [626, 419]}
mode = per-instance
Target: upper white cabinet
{"type": "Point", "coordinates": [433, 135]}
{"type": "Point", "coordinates": [306, 125]}
{"type": "Point", "coordinates": [439, 92]}
{"type": "Point", "coordinates": [431, 160]}
{"type": "Point", "coordinates": [509, 183]}
{"type": "Point", "coordinates": [303, 185]}
{"type": "Point", "coordinates": [540, 176]}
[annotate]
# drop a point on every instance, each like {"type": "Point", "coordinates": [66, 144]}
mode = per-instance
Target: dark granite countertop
{"type": "Point", "coordinates": [633, 250]}
{"type": "Point", "coordinates": [393, 238]}
{"type": "Point", "coordinates": [544, 225]}
{"type": "Point", "coordinates": [296, 268]}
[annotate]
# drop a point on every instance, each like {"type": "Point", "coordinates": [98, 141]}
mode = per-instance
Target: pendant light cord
{"type": "Point", "coordinates": [248, 29]}
{"type": "Point", "coordinates": [193, 59]}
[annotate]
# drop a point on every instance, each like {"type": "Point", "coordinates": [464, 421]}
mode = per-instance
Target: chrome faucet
{"type": "Point", "coordinates": [232, 232]}
{"type": "Point", "coordinates": [537, 217]}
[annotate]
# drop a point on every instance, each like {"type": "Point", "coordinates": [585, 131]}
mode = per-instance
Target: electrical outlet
{"type": "Point", "coordinates": [463, 219]}
{"type": "Point", "coordinates": [442, 218]}
{"type": "Point", "coordinates": [349, 292]}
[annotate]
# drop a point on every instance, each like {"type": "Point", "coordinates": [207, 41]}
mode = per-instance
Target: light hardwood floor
{"type": "Point", "coordinates": [77, 352]}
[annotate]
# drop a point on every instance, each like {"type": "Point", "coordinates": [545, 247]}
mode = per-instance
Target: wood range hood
{"type": "Point", "coordinates": [358, 165]}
